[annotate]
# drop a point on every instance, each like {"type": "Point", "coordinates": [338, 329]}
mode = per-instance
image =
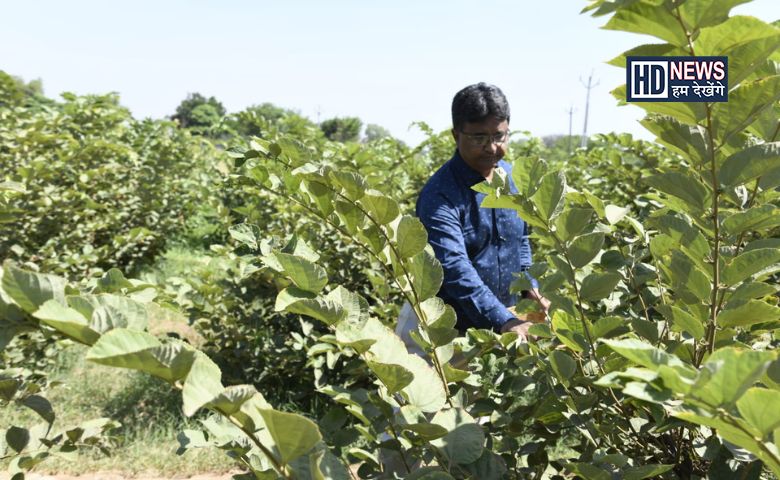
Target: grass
{"type": "Point", "coordinates": [148, 409]}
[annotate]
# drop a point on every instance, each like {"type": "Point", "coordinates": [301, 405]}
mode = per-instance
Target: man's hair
{"type": "Point", "coordinates": [476, 103]}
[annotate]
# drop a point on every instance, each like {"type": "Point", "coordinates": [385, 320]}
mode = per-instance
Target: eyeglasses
{"type": "Point", "coordinates": [482, 139]}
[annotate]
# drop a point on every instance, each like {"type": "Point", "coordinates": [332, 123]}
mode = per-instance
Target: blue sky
{"type": "Point", "coordinates": [390, 63]}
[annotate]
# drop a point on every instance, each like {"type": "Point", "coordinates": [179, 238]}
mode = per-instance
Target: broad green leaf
{"type": "Point", "coordinates": [441, 320]}
{"type": "Point", "coordinates": [748, 313]}
{"type": "Point", "coordinates": [747, 41]}
{"type": "Point", "coordinates": [122, 348]}
{"type": "Point", "coordinates": [766, 128]}
{"type": "Point", "coordinates": [598, 285]}
{"type": "Point", "coordinates": [245, 233]}
{"type": "Point", "coordinates": [67, 321]}
{"type": "Point", "coordinates": [113, 281]}
{"type": "Point", "coordinates": [648, 356]}
{"type": "Point", "coordinates": [749, 263]}
{"type": "Point", "coordinates": [563, 365]}
{"type": "Point", "coordinates": [428, 431]}
{"type": "Point", "coordinates": [758, 218]}
{"type": "Point", "coordinates": [293, 435]}
{"type": "Point", "coordinates": [454, 375]}
{"type": "Point", "coordinates": [596, 203]}
{"type": "Point", "coordinates": [410, 237]}
{"type": "Point", "coordinates": [759, 408]}
{"type": "Point", "coordinates": [300, 248]}
{"type": "Point", "coordinates": [548, 198]}
{"type": "Point", "coordinates": [394, 377]}
{"type": "Point", "coordinates": [295, 300]}
{"type": "Point", "coordinates": [749, 164]}
{"type": "Point", "coordinates": [489, 466]}
{"type": "Point", "coordinates": [202, 385]}
{"type": "Point", "coordinates": [353, 184]}
{"type": "Point", "coordinates": [426, 391]}
{"type": "Point", "coordinates": [649, 20]}
{"type": "Point", "coordinates": [381, 208]}
{"type": "Point", "coordinates": [727, 374]}
{"type": "Point", "coordinates": [586, 471]}
{"type": "Point", "coordinates": [689, 141]}
{"type": "Point", "coordinates": [744, 106]}
{"type": "Point", "coordinates": [427, 275]}
{"type": "Point", "coordinates": [321, 195]}
{"type": "Point", "coordinates": [358, 335]}
{"type": "Point", "coordinates": [731, 431]}
{"type": "Point", "coordinates": [702, 13]}
{"type": "Point", "coordinates": [351, 217]}
{"type": "Point", "coordinates": [17, 438]}
{"type": "Point", "coordinates": [41, 406]}
{"type": "Point", "coordinates": [572, 221]}
{"type": "Point", "coordinates": [429, 473]}
{"type": "Point", "coordinates": [645, 471]}
{"type": "Point", "coordinates": [232, 398]}
{"type": "Point", "coordinates": [614, 214]}
{"type": "Point", "coordinates": [749, 290]}
{"type": "Point", "coordinates": [683, 186]}
{"type": "Point", "coordinates": [607, 325]}
{"type": "Point", "coordinates": [354, 305]}
{"type": "Point", "coordinates": [107, 311]}
{"type": "Point", "coordinates": [464, 440]}
{"type": "Point", "coordinates": [30, 289]}
{"type": "Point", "coordinates": [141, 351]}
{"type": "Point", "coordinates": [686, 275]}
{"type": "Point", "coordinates": [569, 330]}
{"type": "Point", "coordinates": [682, 320]}
{"type": "Point", "coordinates": [585, 248]}
{"type": "Point", "coordinates": [305, 274]}
{"type": "Point", "coordinates": [521, 169]}
{"type": "Point", "coordinates": [686, 237]}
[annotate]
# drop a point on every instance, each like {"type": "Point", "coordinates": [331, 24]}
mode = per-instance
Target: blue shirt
{"type": "Point", "coordinates": [480, 249]}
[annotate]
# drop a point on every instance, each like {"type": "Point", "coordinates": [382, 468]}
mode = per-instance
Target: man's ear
{"type": "Point", "coordinates": [454, 134]}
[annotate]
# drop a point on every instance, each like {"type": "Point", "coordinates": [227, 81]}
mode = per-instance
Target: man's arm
{"type": "Point", "coordinates": [461, 280]}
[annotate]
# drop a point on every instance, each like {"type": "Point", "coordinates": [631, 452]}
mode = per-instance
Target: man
{"type": "Point", "coordinates": [480, 249]}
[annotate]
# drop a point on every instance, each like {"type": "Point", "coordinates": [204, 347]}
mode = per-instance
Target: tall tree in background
{"type": "Point", "coordinates": [346, 129]}
{"type": "Point", "coordinates": [255, 120]}
{"type": "Point", "coordinates": [198, 111]}
{"type": "Point", "coordinates": [15, 91]}
{"type": "Point", "coordinates": [375, 132]}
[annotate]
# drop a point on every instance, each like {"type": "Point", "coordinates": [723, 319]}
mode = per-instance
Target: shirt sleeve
{"type": "Point", "coordinates": [525, 256]}
{"type": "Point", "coordinates": [461, 280]}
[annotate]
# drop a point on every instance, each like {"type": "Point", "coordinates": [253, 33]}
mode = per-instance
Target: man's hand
{"type": "Point", "coordinates": [518, 327]}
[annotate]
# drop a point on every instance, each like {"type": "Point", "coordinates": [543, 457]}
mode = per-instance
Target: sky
{"type": "Point", "coordinates": [389, 63]}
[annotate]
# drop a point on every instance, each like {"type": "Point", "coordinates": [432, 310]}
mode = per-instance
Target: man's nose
{"type": "Point", "coordinates": [490, 147]}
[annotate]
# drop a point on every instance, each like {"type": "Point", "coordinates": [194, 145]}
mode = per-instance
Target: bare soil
{"type": "Point", "coordinates": [121, 476]}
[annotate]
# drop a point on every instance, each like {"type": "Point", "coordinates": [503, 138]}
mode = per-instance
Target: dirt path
{"type": "Point", "coordinates": [121, 476]}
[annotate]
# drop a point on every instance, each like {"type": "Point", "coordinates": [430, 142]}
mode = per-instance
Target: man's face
{"type": "Point", "coordinates": [482, 144]}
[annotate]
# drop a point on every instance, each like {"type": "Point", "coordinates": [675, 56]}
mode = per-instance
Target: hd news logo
{"type": "Point", "coordinates": [677, 79]}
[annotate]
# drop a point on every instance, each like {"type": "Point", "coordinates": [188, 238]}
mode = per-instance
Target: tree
{"type": "Point", "coordinates": [198, 111]}
{"type": "Point", "coordinates": [258, 119]}
{"type": "Point", "coordinates": [375, 132]}
{"type": "Point", "coordinates": [342, 129]}
{"type": "Point", "coordinates": [14, 91]}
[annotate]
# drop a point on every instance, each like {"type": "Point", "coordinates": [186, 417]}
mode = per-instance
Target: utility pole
{"type": "Point", "coordinates": [318, 114]}
{"type": "Point", "coordinates": [589, 86]}
{"type": "Point", "coordinates": [571, 113]}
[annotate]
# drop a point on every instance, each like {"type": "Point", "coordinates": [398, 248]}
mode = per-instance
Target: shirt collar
{"type": "Point", "coordinates": [465, 173]}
